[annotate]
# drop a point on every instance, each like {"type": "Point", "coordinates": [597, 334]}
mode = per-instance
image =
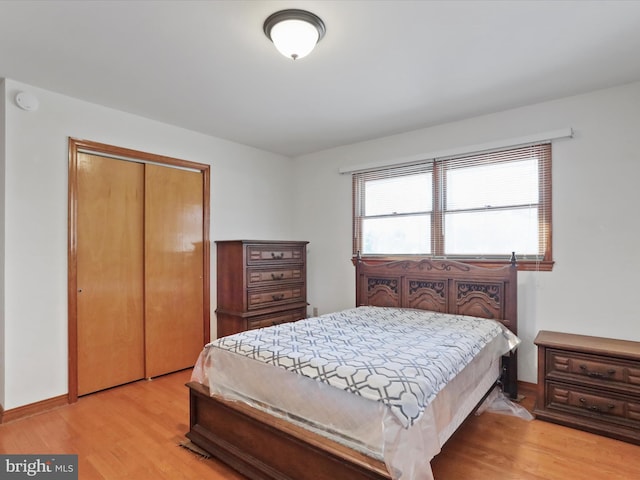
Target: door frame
{"type": "Point", "coordinates": [77, 146]}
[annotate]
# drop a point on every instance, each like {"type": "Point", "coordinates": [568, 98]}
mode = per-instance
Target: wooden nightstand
{"type": "Point", "coordinates": [589, 383]}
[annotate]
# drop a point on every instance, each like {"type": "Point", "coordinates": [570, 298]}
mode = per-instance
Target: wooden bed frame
{"type": "Point", "coordinates": [264, 447]}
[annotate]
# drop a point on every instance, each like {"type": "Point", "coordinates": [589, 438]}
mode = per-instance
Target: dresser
{"type": "Point", "coordinates": [590, 383]}
{"type": "Point", "coordinates": [259, 284]}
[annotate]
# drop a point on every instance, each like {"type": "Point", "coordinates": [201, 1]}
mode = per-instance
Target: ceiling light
{"type": "Point", "coordinates": [294, 32]}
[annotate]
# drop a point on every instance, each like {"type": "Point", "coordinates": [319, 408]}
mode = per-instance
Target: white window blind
{"type": "Point", "coordinates": [479, 206]}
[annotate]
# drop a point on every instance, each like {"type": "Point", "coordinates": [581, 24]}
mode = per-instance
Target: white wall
{"type": "Point", "coordinates": [595, 197]}
{"type": "Point", "coordinates": [249, 192]}
{"type": "Point", "coordinates": [596, 225]}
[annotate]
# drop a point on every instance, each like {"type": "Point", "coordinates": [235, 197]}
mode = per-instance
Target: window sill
{"type": "Point", "coordinates": [523, 265]}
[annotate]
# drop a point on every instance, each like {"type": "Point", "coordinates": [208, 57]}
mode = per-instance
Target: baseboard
{"type": "Point", "coordinates": [32, 409]}
{"type": "Point", "coordinates": [527, 386]}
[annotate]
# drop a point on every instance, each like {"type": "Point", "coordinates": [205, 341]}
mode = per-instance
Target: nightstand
{"type": "Point", "coordinates": [589, 383]}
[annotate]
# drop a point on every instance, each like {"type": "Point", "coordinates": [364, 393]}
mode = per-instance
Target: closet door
{"type": "Point", "coordinates": [173, 268]}
{"type": "Point", "coordinates": [110, 292]}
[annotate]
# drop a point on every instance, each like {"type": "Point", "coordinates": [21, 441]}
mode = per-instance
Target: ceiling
{"type": "Point", "coordinates": [383, 67]}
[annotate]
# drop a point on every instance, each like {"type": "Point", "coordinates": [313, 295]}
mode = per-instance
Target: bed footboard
{"type": "Point", "coordinates": [263, 447]}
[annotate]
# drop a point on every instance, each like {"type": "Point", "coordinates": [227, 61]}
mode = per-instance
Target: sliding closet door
{"type": "Point", "coordinates": [174, 268]}
{"type": "Point", "coordinates": [110, 296]}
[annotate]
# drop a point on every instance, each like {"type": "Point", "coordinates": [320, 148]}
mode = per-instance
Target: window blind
{"type": "Point", "coordinates": [477, 206]}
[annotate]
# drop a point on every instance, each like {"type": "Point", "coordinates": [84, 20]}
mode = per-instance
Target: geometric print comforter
{"type": "Point", "coordinates": [400, 357]}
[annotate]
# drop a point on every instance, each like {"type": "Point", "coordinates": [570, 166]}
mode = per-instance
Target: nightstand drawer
{"type": "Point", "coordinates": [579, 366]}
{"type": "Point", "coordinates": [592, 403]}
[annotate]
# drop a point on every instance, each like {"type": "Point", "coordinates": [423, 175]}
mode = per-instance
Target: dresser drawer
{"type": "Point", "coordinates": [275, 296]}
{"type": "Point", "coordinates": [276, 319]}
{"type": "Point", "coordinates": [264, 276]}
{"type": "Point", "coordinates": [262, 254]}
{"type": "Point", "coordinates": [593, 369]}
{"type": "Point", "coordinates": [592, 403]}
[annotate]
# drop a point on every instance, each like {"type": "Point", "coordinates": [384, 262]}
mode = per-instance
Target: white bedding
{"type": "Point", "coordinates": [360, 422]}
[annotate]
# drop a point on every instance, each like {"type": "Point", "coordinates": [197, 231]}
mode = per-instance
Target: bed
{"type": "Point", "coordinates": [254, 417]}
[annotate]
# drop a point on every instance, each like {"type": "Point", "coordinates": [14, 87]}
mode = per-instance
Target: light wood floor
{"type": "Point", "coordinates": [132, 432]}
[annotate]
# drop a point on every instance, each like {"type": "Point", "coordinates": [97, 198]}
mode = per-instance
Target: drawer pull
{"type": "Point", "coordinates": [596, 408]}
{"type": "Point", "coordinates": [586, 371]}
{"type": "Point", "coordinates": [277, 256]}
{"type": "Point", "coordinates": [277, 297]}
{"type": "Point", "coordinates": [277, 277]}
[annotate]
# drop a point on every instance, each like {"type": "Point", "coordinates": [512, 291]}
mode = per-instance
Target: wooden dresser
{"type": "Point", "coordinates": [589, 383]}
{"type": "Point", "coordinates": [259, 284]}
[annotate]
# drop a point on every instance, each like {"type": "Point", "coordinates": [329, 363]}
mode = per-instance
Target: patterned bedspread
{"type": "Point", "coordinates": [401, 357]}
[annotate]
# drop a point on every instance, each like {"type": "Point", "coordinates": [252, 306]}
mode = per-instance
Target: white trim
{"type": "Point", "coordinates": [452, 152]}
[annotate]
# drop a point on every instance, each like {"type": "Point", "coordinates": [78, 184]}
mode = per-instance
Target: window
{"type": "Point", "coordinates": [477, 208]}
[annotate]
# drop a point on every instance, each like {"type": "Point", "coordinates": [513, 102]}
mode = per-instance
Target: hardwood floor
{"type": "Point", "coordinates": [129, 432]}
{"type": "Point", "coordinates": [132, 432]}
{"type": "Point", "coordinates": [495, 446]}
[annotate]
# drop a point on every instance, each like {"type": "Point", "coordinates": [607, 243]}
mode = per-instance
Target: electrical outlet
{"type": "Point", "coordinates": [315, 311]}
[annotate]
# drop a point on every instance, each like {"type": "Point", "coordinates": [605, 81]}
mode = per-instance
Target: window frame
{"type": "Point", "coordinates": [542, 262]}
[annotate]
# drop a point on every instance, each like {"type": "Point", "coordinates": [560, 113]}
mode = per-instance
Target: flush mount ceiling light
{"type": "Point", "coordinates": [294, 32]}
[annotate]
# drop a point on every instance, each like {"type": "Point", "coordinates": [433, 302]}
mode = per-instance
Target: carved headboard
{"type": "Point", "coordinates": [444, 286]}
